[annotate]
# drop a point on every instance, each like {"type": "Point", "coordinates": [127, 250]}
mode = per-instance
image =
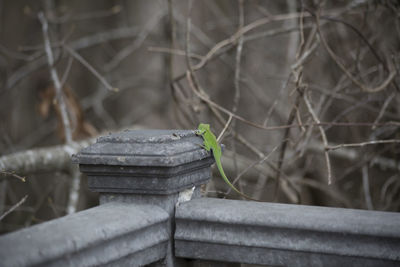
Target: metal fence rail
{"type": "Point", "coordinates": [289, 235]}
{"type": "Point", "coordinates": [114, 233]}
{"type": "Point", "coordinates": [151, 212]}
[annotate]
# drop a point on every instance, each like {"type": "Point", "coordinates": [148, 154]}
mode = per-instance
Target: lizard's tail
{"type": "Point", "coordinates": [221, 170]}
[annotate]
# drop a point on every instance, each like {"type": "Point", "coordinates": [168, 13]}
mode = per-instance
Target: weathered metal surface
{"type": "Point", "coordinates": [144, 148]}
{"type": "Point", "coordinates": [144, 175]}
{"type": "Point", "coordinates": [146, 162]}
{"type": "Point", "coordinates": [158, 167]}
{"type": "Point", "coordinates": [115, 233]}
{"type": "Point", "coordinates": [290, 235]}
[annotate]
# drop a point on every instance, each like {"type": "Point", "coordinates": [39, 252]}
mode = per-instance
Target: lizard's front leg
{"type": "Point", "coordinates": [199, 132]}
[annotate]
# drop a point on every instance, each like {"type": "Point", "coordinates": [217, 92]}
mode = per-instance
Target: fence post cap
{"type": "Point", "coordinates": [145, 162]}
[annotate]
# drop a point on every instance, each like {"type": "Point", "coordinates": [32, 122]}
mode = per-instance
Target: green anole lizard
{"type": "Point", "coordinates": [210, 143]}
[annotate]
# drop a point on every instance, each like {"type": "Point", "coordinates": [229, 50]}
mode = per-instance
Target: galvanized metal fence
{"type": "Point", "coordinates": [151, 213]}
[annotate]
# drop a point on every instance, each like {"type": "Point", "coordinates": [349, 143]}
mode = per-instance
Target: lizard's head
{"type": "Point", "coordinates": [204, 127]}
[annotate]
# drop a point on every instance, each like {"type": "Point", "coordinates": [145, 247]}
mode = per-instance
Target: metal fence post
{"type": "Point", "coordinates": [158, 167]}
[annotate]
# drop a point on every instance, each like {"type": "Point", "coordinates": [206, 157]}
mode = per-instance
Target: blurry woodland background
{"type": "Point", "coordinates": [305, 94]}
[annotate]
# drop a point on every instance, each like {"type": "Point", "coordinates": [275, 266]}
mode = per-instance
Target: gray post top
{"type": "Point", "coordinates": [166, 148]}
{"type": "Point", "coordinates": [148, 162]}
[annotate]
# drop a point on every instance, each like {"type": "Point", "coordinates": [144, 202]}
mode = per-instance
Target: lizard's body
{"type": "Point", "coordinates": [211, 144]}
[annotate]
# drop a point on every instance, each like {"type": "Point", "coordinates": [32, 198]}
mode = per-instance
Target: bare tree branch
{"type": "Point", "coordinates": [13, 174]}
{"type": "Point", "coordinates": [56, 80]}
{"type": "Point", "coordinates": [367, 193]}
{"type": "Point", "coordinates": [373, 142]}
{"type": "Point", "coordinates": [324, 138]}
{"type": "Point", "coordinates": [90, 68]}
{"type": "Point", "coordinates": [13, 207]}
{"type": "Point", "coordinates": [382, 86]}
{"type": "Point", "coordinates": [48, 159]}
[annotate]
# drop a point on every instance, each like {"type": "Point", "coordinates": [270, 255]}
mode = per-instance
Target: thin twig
{"type": "Point", "coordinates": [306, 55]}
{"type": "Point", "coordinates": [136, 44]}
{"type": "Point", "coordinates": [13, 174]}
{"type": "Point", "coordinates": [236, 96]}
{"type": "Point", "coordinates": [19, 56]}
{"type": "Point", "coordinates": [86, 16]}
{"type": "Point", "coordinates": [323, 135]}
{"type": "Point", "coordinates": [239, 49]}
{"type": "Point", "coordinates": [282, 151]}
{"type": "Point", "coordinates": [383, 109]}
{"type": "Point", "coordinates": [13, 207]}
{"type": "Point", "coordinates": [66, 72]}
{"type": "Point", "coordinates": [373, 142]}
{"type": "Point", "coordinates": [251, 166]}
{"type": "Point", "coordinates": [172, 39]}
{"type": "Point", "coordinates": [269, 113]}
{"type": "Point", "coordinates": [90, 68]}
{"type": "Point", "coordinates": [177, 52]}
{"type": "Point", "coordinates": [385, 189]}
{"type": "Point", "coordinates": [367, 193]}
{"type": "Point", "coordinates": [224, 129]}
{"type": "Point", "coordinates": [297, 74]}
